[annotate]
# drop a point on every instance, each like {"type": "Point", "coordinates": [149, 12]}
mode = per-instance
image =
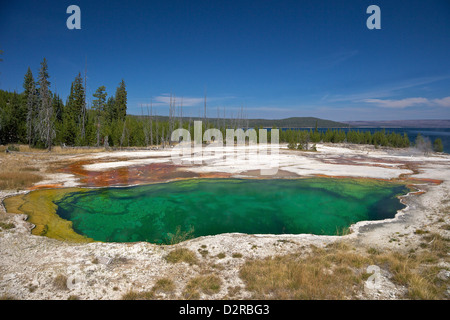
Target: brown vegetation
{"type": "Point", "coordinates": [17, 172]}
{"type": "Point", "coordinates": [181, 255]}
{"type": "Point", "coordinates": [339, 272]}
{"type": "Point", "coordinates": [208, 284]}
{"type": "Point", "coordinates": [163, 285]}
{"type": "Point", "coordinates": [22, 166]}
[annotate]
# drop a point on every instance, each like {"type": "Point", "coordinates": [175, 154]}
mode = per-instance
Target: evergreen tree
{"type": "Point", "coordinates": [58, 107]}
{"type": "Point", "coordinates": [110, 111]}
{"type": "Point", "coordinates": [368, 137]}
{"type": "Point", "coordinates": [99, 107]}
{"type": "Point", "coordinates": [45, 114]}
{"type": "Point", "coordinates": [121, 102]}
{"type": "Point", "coordinates": [73, 113]}
{"type": "Point", "coordinates": [406, 142]}
{"type": "Point", "coordinates": [31, 101]}
{"type": "Point", "coordinates": [1, 52]}
{"type": "Point", "coordinates": [303, 139]}
{"type": "Point", "coordinates": [10, 124]}
{"type": "Point", "coordinates": [90, 134]}
{"type": "Point", "coordinates": [69, 123]}
{"type": "Point", "coordinates": [437, 145]}
{"type": "Point", "coordinates": [58, 112]}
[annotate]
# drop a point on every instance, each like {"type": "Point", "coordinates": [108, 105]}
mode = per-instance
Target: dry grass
{"type": "Point", "coordinates": [208, 284]}
{"type": "Point", "coordinates": [338, 272]}
{"type": "Point", "coordinates": [6, 226]}
{"type": "Point", "coordinates": [221, 255]}
{"type": "Point", "coordinates": [17, 172]}
{"type": "Point", "coordinates": [324, 274]}
{"type": "Point", "coordinates": [134, 295]}
{"type": "Point", "coordinates": [60, 282]}
{"type": "Point", "coordinates": [416, 274]}
{"type": "Point", "coordinates": [181, 255]}
{"type": "Point", "coordinates": [163, 285]}
{"type": "Point", "coordinates": [20, 169]}
{"type": "Point", "coordinates": [55, 149]}
{"type": "Point", "coordinates": [74, 150]}
{"type": "Point", "coordinates": [419, 272]}
{"type": "Point", "coordinates": [437, 244]}
{"type": "Point", "coordinates": [17, 180]}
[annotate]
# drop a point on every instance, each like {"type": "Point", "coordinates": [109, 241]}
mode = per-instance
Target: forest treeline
{"type": "Point", "coordinates": [40, 118]}
{"type": "Point", "coordinates": [306, 139]}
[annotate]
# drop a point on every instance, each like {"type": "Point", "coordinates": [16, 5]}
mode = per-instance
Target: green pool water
{"type": "Point", "coordinates": [155, 212]}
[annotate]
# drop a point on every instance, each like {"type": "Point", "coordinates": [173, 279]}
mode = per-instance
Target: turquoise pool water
{"type": "Point", "coordinates": [155, 212]}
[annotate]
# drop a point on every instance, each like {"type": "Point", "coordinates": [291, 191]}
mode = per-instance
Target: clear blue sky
{"type": "Point", "coordinates": [275, 59]}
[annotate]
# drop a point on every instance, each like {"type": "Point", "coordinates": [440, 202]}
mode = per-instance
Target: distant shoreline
{"type": "Point", "coordinates": [311, 122]}
{"type": "Point", "coordinates": [400, 124]}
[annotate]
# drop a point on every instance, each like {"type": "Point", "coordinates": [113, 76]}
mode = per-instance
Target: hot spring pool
{"type": "Point", "coordinates": [155, 212]}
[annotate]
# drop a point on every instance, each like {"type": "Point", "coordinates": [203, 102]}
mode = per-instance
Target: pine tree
{"type": "Point", "coordinates": [368, 137]}
{"type": "Point", "coordinates": [121, 102]}
{"type": "Point", "coordinates": [1, 52]}
{"type": "Point", "coordinates": [68, 121]}
{"type": "Point", "coordinates": [150, 118]}
{"type": "Point", "coordinates": [45, 115]}
{"type": "Point", "coordinates": [406, 142]}
{"type": "Point", "coordinates": [31, 102]}
{"type": "Point", "coordinates": [58, 112]}
{"type": "Point", "coordinates": [437, 145]}
{"type": "Point", "coordinates": [73, 113]}
{"type": "Point", "coordinates": [110, 110]}
{"type": "Point", "coordinates": [99, 107]}
{"type": "Point", "coordinates": [58, 107]}
{"type": "Point", "coordinates": [10, 121]}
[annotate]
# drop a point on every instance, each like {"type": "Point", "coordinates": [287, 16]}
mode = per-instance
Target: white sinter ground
{"type": "Point", "coordinates": [29, 264]}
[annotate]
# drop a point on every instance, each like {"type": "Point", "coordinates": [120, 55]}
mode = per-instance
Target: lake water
{"type": "Point", "coordinates": [154, 212]}
{"type": "Point", "coordinates": [431, 133]}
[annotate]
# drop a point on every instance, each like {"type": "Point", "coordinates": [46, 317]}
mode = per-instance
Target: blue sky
{"type": "Point", "coordinates": [275, 59]}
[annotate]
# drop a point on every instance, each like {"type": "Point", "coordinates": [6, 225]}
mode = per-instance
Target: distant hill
{"type": "Point", "coordinates": [295, 122]}
{"type": "Point", "coordinates": [400, 124]}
